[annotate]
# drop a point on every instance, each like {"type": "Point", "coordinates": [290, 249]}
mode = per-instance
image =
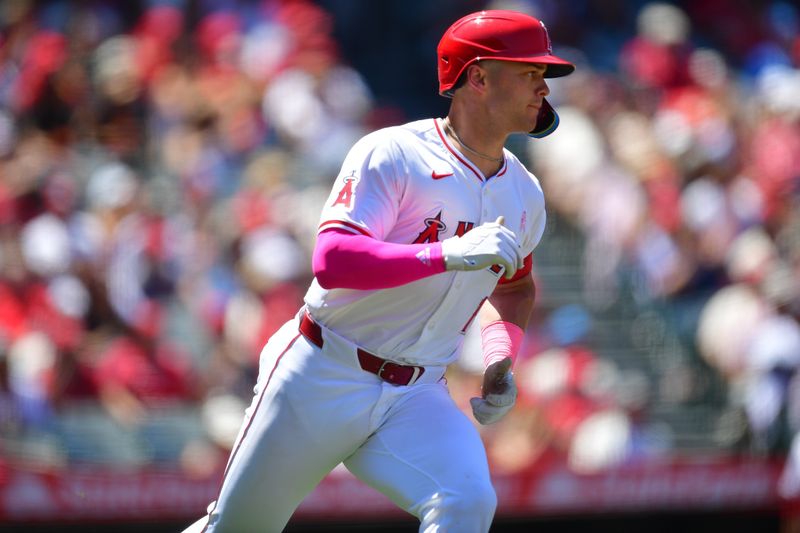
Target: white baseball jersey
{"type": "Point", "coordinates": [407, 184]}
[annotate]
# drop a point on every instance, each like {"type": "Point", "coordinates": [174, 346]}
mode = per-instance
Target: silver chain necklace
{"type": "Point", "coordinates": [449, 129]}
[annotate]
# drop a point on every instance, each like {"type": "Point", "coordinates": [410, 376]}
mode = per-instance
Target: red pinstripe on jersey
{"type": "Point", "coordinates": [249, 422]}
{"type": "Point", "coordinates": [463, 161]}
{"type": "Point", "coordinates": [464, 329]}
{"type": "Point", "coordinates": [344, 225]}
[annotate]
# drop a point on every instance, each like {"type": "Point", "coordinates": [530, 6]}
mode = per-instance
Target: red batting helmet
{"type": "Point", "coordinates": [502, 35]}
{"type": "Point", "coordinates": [495, 34]}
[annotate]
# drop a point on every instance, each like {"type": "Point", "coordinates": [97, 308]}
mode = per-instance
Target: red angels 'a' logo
{"type": "Point", "coordinates": [345, 196]}
{"type": "Point", "coordinates": [432, 228]}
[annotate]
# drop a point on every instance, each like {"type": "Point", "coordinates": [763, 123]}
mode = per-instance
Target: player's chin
{"type": "Point", "coordinates": [531, 117]}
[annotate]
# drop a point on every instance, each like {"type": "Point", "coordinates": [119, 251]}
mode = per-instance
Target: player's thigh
{"type": "Point", "coordinates": [298, 428]}
{"type": "Point", "coordinates": [426, 448]}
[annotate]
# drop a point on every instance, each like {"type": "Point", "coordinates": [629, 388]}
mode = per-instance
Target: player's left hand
{"type": "Point", "coordinates": [499, 393]}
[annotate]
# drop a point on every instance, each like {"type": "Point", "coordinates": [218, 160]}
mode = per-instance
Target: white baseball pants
{"type": "Point", "coordinates": [315, 408]}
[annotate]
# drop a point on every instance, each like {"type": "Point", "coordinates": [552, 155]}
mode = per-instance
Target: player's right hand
{"type": "Point", "coordinates": [488, 244]}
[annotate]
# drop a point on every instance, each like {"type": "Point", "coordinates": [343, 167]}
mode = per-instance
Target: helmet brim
{"type": "Point", "coordinates": [556, 67]}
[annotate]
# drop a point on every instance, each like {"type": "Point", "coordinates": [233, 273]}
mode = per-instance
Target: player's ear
{"type": "Point", "coordinates": [476, 76]}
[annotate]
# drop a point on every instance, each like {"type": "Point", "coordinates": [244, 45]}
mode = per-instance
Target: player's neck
{"type": "Point", "coordinates": [476, 144]}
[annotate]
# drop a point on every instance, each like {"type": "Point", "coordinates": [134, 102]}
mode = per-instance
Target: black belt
{"type": "Point", "coordinates": [391, 372]}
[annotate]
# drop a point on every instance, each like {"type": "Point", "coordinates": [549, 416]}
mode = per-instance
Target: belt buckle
{"type": "Point", "coordinates": [415, 374]}
{"type": "Point", "coordinates": [383, 366]}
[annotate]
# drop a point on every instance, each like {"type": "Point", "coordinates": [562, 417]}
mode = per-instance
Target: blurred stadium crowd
{"type": "Point", "coordinates": [163, 164]}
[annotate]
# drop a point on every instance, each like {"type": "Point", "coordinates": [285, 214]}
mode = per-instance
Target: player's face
{"type": "Point", "coordinates": [515, 93]}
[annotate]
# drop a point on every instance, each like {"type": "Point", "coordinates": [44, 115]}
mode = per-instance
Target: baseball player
{"type": "Point", "coordinates": [429, 227]}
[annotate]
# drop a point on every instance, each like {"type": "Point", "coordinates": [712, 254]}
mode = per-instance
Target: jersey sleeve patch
{"type": "Point", "coordinates": [345, 194]}
{"type": "Point", "coordinates": [366, 192]}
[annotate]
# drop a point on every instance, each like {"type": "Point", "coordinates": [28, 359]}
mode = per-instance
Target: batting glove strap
{"type": "Point", "coordinates": [494, 406]}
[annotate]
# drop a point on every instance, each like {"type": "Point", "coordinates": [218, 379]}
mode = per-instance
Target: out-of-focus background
{"type": "Point", "coordinates": [162, 168]}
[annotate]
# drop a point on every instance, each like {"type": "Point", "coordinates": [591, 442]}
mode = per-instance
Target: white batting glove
{"type": "Point", "coordinates": [499, 393]}
{"type": "Point", "coordinates": [488, 244]}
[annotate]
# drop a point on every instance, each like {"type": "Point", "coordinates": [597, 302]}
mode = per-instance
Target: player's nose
{"type": "Point", "coordinates": [543, 89]}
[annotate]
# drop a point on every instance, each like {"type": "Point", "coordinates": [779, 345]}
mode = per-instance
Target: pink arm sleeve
{"type": "Point", "coordinates": [499, 340]}
{"type": "Point", "coordinates": [343, 260]}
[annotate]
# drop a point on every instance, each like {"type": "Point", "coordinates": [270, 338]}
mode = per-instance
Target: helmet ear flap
{"type": "Point", "coordinates": [546, 122]}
